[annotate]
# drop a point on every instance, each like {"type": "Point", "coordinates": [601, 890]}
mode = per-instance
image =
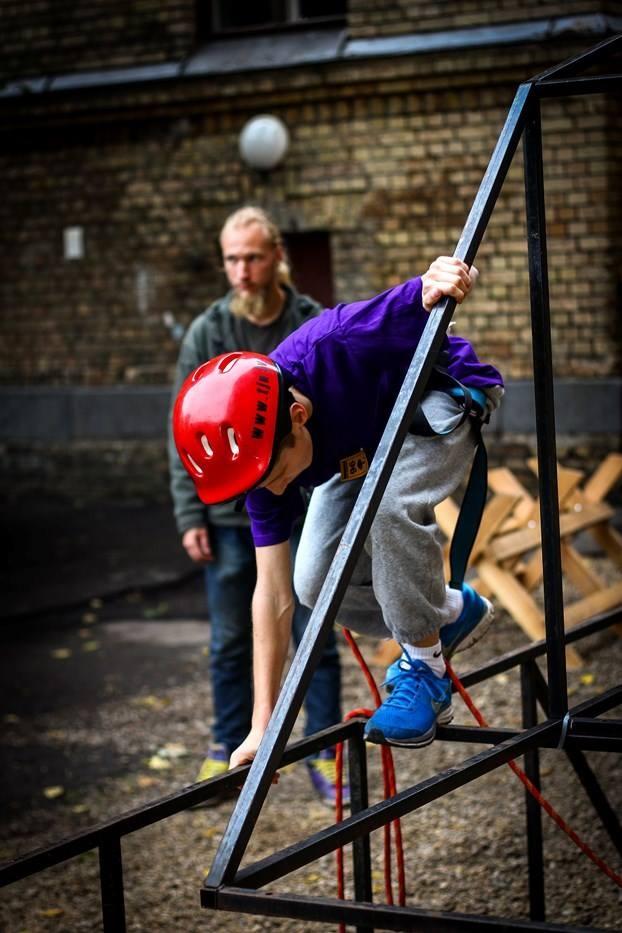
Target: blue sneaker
{"type": "Point", "coordinates": [417, 702]}
{"type": "Point", "coordinates": [472, 623]}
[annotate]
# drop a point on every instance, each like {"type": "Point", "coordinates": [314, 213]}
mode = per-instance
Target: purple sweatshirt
{"type": "Point", "coordinates": [351, 362]}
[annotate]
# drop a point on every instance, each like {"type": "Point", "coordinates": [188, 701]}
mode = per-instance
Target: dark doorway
{"type": "Point", "coordinates": [312, 270]}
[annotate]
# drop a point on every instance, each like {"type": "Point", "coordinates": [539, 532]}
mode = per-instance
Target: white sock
{"type": "Point", "coordinates": [454, 604]}
{"type": "Point", "coordinates": [432, 656]}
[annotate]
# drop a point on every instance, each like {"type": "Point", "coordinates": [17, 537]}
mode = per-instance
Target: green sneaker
{"type": "Point", "coordinates": [215, 764]}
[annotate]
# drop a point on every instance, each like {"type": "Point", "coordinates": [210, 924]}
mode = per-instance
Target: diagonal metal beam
{"type": "Point", "coordinates": [246, 812]}
{"type": "Point", "coordinates": [303, 853]}
{"type": "Point", "coordinates": [578, 64]}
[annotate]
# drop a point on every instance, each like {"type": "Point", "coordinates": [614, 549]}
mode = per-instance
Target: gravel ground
{"type": "Point", "coordinates": [93, 702]}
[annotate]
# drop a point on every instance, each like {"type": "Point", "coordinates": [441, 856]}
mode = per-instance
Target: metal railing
{"type": "Point", "coordinates": [576, 729]}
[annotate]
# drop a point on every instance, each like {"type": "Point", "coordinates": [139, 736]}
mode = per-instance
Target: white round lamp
{"type": "Point", "coordinates": [263, 142]}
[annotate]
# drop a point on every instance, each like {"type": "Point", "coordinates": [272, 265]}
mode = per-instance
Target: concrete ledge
{"type": "Point", "coordinates": [38, 414]}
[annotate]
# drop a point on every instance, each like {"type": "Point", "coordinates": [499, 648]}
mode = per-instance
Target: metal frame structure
{"type": "Point", "coordinates": [573, 730]}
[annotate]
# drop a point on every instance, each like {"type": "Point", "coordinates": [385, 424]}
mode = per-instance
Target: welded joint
{"type": "Point", "coordinates": [564, 731]}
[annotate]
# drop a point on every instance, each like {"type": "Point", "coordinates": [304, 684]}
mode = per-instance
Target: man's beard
{"type": "Point", "coordinates": [251, 306]}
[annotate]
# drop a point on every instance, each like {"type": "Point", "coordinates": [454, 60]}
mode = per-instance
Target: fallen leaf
{"type": "Point", "coordinates": [53, 792]}
{"type": "Point", "coordinates": [144, 780]}
{"type": "Point", "coordinates": [79, 808]}
{"type": "Point", "coordinates": [90, 646]}
{"type": "Point", "coordinates": [173, 750]}
{"type": "Point", "coordinates": [312, 878]}
{"type": "Point", "coordinates": [61, 654]}
{"type": "Point", "coordinates": [587, 679]}
{"type": "Point", "coordinates": [88, 618]}
{"type": "Point", "coordinates": [52, 912]}
{"type": "Point", "coordinates": [152, 702]}
{"type": "Point", "coordinates": [10, 718]}
{"type": "Point", "coordinates": [158, 764]}
{"type": "Point", "coordinates": [210, 832]}
{"type": "Point", "coordinates": [96, 603]}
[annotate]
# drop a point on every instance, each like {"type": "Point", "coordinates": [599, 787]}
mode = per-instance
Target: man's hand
{"type": "Point", "coordinates": [245, 753]}
{"type": "Point", "coordinates": [447, 276]}
{"type": "Point", "coordinates": [197, 545]}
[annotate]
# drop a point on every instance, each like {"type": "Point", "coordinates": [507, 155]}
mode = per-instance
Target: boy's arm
{"type": "Point", "coordinates": [273, 609]}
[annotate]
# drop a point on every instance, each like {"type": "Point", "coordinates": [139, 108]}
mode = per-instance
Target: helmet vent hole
{"type": "Point", "coordinates": [228, 362]}
{"type": "Point", "coordinates": [195, 465]}
{"type": "Point", "coordinates": [233, 442]}
{"type": "Point", "coordinates": [206, 446]}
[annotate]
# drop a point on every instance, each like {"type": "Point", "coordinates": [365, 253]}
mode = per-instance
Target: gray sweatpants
{"type": "Point", "coordinates": [397, 588]}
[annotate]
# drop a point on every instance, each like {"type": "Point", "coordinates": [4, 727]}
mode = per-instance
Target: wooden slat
{"type": "Point", "coordinates": [497, 510]}
{"type": "Point", "coordinates": [579, 572]}
{"type": "Point", "coordinates": [517, 542]}
{"type": "Point", "coordinates": [593, 605]}
{"type": "Point", "coordinates": [521, 606]}
{"type": "Point", "coordinates": [446, 514]}
{"type": "Point", "coordinates": [603, 478]}
{"type": "Point", "coordinates": [609, 540]}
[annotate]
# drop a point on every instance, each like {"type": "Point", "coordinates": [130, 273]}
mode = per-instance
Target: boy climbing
{"type": "Point", "coordinates": [310, 416]}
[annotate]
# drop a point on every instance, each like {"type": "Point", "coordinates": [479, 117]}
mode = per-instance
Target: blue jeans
{"type": "Point", "coordinates": [230, 581]}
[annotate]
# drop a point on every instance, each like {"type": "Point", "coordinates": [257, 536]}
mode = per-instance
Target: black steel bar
{"type": "Point", "coordinates": [545, 412]}
{"type": "Point", "coordinates": [319, 844]}
{"type": "Point", "coordinates": [111, 883]}
{"type": "Point", "coordinates": [146, 815]}
{"type": "Point", "coordinates": [384, 917]}
{"type": "Point", "coordinates": [480, 735]}
{"type": "Point", "coordinates": [581, 62]}
{"type": "Point", "coordinates": [591, 786]}
{"type": "Point", "coordinates": [607, 728]}
{"type": "Point", "coordinates": [565, 87]}
{"type": "Point", "coordinates": [483, 736]}
{"type": "Point", "coordinates": [535, 857]}
{"type": "Point", "coordinates": [536, 649]}
{"type": "Point", "coordinates": [359, 801]}
{"type": "Point", "coordinates": [308, 850]}
{"type": "Point", "coordinates": [253, 793]}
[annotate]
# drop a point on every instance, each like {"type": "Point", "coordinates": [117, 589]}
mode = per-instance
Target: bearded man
{"type": "Point", "coordinates": [260, 310]}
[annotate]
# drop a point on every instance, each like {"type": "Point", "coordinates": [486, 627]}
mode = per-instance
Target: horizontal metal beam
{"type": "Point", "coordinates": [319, 844]}
{"type": "Point", "coordinates": [568, 87]}
{"type": "Point", "coordinates": [378, 916]}
{"type": "Point", "coordinates": [537, 649]}
{"type": "Point", "coordinates": [150, 813]}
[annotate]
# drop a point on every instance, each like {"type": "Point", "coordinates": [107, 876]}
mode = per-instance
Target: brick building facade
{"type": "Point", "coordinates": [124, 121]}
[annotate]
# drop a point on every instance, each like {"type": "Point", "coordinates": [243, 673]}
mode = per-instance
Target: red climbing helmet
{"type": "Point", "coordinates": [229, 419]}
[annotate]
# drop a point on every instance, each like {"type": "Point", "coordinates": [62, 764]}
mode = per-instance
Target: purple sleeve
{"type": "Point", "coordinates": [355, 340]}
{"type": "Point", "coordinates": [272, 517]}
{"type": "Point", "coordinates": [466, 367]}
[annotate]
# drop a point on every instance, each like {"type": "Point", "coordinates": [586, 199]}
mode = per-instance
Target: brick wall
{"type": "Point", "coordinates": [368, 18]}
{"type": "Point", "coordinates": [391, 174]}
{"type": "Point", "coordinates": [386, 155]}
{"type": "Point", "coordinates": [41, 37]}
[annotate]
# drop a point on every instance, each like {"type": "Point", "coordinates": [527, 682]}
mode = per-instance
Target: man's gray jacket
{"type": "Point", "coordinates": [210, 334]}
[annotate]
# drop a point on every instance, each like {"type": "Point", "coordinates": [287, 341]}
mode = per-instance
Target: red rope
{"type": "Point", "coordinates": [390, 789]}
{"type": "Point", "coordinates": [533, 790]}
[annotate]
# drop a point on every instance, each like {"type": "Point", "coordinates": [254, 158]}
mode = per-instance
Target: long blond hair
{"type": "Point", "coordinates": [248, 215]}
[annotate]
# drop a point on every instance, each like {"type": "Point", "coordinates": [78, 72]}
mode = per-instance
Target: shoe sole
{"type": "Point", "coordinates": [475, 634]}
{"type": "Point", "coordinates": [377, 737]}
